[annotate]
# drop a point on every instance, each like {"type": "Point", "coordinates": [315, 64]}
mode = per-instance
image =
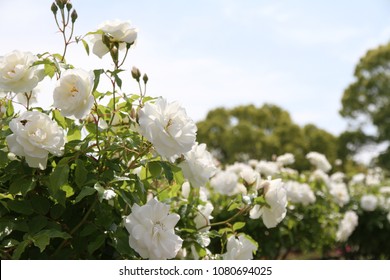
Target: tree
{"type": "Point", "coordinates": [247, 132]}
{"type": "Point", "coordinates": [367, 101]}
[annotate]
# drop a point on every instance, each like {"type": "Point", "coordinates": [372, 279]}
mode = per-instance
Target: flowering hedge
{"type": "Point", "coordinates": [108, 174]}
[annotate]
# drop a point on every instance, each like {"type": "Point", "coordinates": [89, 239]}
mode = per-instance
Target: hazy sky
{"type": "Point", "coordinates": [299, 55]}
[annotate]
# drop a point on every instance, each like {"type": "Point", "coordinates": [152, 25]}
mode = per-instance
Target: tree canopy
{"type": "Point", "coordinates": [366, 101]}
{"type": "Point", "coordinates": [249, 132]}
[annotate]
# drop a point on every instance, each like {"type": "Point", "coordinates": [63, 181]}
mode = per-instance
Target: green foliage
{"type": "Point", "coordinates": [366, 100]}
{"type": "Point", "coordinates": [247, 132]}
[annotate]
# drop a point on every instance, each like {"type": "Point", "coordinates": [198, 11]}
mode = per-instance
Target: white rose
{"type": "Point", "coordinates": [267, 168]}
{"type": "Point", "coordinates": [239, 248]}
{"type": "Point", "coordinates": [17, 74]}
{"type": "Point", "coordinates": [319, 161]}
{"type": "Point", "coordinates": [198, 165]}
{"type": "Point", "coordinates": [369, 202]}
{"type": "Point", "coordinates": [276, 198]}
{"type": "Point", "coordinates": [285, 159]}
{"type": "Point", "coordinates": [346, 226]}
{"type": "Point", "coordinates": [167, 127]}
{"type": "Point", "coordinates": [151, 229]}
{"type": "Point", "coordinates": [300, 193]}
{"type": "Point", "coordinates": [203, 217]}
{"type": "Point", "coordinates": [73, 93]}
{"type": "Point", "coordinates": [225, 182]}
{"type": "Point", "coordinates": [34, 136]}
{"type": "Point", "coordinates": [118, 31]}
{"type": "Point", "coordinates": [339, 192]}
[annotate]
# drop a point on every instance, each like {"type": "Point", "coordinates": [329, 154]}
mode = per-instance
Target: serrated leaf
{"type": "Point", "coordinates": [86, 191]}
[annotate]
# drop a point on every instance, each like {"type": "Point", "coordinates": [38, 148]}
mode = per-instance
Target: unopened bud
{"type": "Point", "coordinates": [60, 4]}
{"type": "Point", "coordinates": [69, 6]}
{"type": "Point", "coordinates": [145, 78]}
{"type": "Point", "coordinates": [135, 73]}
{"type": "Point", "coordinates": [54, 8]}
{"type": "Point", "coordinates": [73, 16]}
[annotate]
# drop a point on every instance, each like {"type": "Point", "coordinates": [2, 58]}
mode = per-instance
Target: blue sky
{"type": "Point", "coordinates": [299, 55]}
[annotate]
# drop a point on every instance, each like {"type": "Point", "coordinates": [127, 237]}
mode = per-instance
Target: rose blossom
{"type": "Point", "coordinates": [346, 226]}
{"type": "Point", "coordinates": [239, 248]}
{"type": "Point", "coordinates": [198, 165]}
{"type": "Point", "coordinates": [117, 31]}
{"type": "Point", "coordinates": [369, 202]}
{"type": "Point", "coordinates": [225, 182]}
{"type": "Point", "coordinates": [17, 73]}
{"type": "Point", "coordinates": [276, 198]}
{"type": "Point", "coordinates": [73, 93]}
{"type": "Point", "coordinates": [167, 127]}
{"type": "Point", "coordinates": [203, 217]}
{"type": "Point", "coordinates": [319, 161]}
{"type": "Point", "coordinates": [151, 229]}
{"type": "Point", "coordinates": [300, 193]}
{"type": "Point", "coordinates": [34, 136]}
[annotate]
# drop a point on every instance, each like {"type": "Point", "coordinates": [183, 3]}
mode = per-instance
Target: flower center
{"type": "Point", "coordinates": [157, 229]}
{"type": "Point", "coordinates": [74, 91]}
{"type": "Point", "coordinates": [38, 135]}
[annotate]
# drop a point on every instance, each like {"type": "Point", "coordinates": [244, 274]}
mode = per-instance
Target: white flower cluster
{"type": "Point", "coordinates": [240, 248]}
{"type": "Point", "coordinates": [319, 161]}
{"type": "Point", "coordinates": [299, 193]}
{"type": "Point", "coordinates": [347, 226]}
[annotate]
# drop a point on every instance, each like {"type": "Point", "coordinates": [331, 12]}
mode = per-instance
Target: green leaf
{"type": "Point", "coordinates": [3, 158]}
{"type": "Point", "coordinates": [58, 178]}
{"type": "Point", "coordinates": [238, 225]}
{"type": "Point", "coordinates": [86, 46]}
{"type": "Point", "coordinates": [86, 191]}
{"type": "Point", "coordinates": [42, 238]}
{"type": "Point", "coordinates": [154, 168]}
{"type": "Point", "coordinates": [74, 133]}
{"type": "Point", "coordinates": [20, 249]}
{"type": "Point", "coordinates": [56, 211]}
{"type": "Point", "coordinates": [80, 173]}
{"type": "Point", "coordinates": [233, 206]}
{"type": "Point", "coordinates": [50, 70]}
{"type": "Point", "coordinates": [59, 118]}
{"type": "Point", "coordinates": [10, 109]}
{"type": "Point", "coordinates": [96, 243]}
{"type": "Point", "coordinates": [22, 185]}
{"type": "Point", "coordinates": [40, 204]}
{"type": "Point", "coordinates": [37, 223]}
{"type": "Point", "coordinates": [88, 229]}
{"type": "Point", "coordinates": [69, 191]}
{"type": "Point", "coordinates": [97, 74]}
{"type": "Point", "coordinates": [20, 206]}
